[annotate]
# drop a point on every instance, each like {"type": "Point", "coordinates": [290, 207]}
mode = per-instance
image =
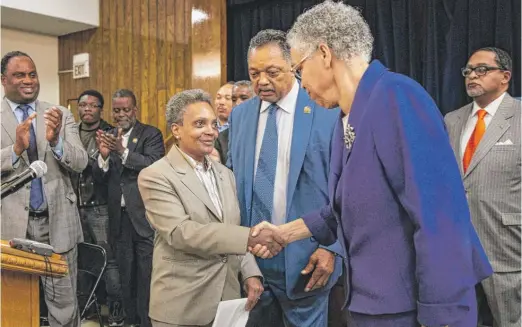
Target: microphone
{"type": "Point", "coordinates": [36, 170]}
{"type": "Point", "coordinates": [32, 246]}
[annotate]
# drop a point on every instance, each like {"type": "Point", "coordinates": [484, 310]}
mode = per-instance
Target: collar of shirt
{"type": "Point", "coordinates": [126, 135]}
{"type": "Point", "coordinates": [490, 108]}
{"type": "Point", "coordinates": [288, 102]}
{"type": "Point", "coordinates": [205, 166]}
{"type": "Point", "coordinates": [345, 121]}
{"type": "Point", "coordinates": [14, 105]}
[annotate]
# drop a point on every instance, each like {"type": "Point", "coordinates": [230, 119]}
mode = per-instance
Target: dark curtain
{"type": "Point", "coordinates": [428, 40]}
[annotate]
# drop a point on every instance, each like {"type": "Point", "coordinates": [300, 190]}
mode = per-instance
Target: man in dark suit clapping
{"type": "Point", "coordinates": [124, 152]}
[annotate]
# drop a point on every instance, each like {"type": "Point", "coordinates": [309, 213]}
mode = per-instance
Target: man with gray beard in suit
{"type": "Point", "coordinates": [485, 137]}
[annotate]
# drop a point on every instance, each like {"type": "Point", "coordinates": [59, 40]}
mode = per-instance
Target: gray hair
{"type": "Point", "coordinates": [125, 93]}
{"type": "Point", "coordinates": [340, 26]}
{"type": "Point", "coordinates": [178, 104]}
{"type": "Point", "coordinates": [270, 36]}
{"type": "Point", "coordinates": [244, 83]}
{"type": "Point", "coordinates": [502, 58]}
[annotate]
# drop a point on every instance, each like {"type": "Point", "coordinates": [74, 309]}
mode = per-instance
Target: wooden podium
{"type": "Point", "coordinates": [20, 274]}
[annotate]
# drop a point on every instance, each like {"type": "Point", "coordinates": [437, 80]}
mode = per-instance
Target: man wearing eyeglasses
{"type": "Point", "coordinates": [280, 156]}
{"type": "Point", "coordinates": [92, 201]}
{"type": "Point", "coordinates": [485, 136]}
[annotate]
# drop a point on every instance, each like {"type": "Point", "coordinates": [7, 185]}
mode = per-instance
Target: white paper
{"type": "Point", "coordinates": [231, 314]}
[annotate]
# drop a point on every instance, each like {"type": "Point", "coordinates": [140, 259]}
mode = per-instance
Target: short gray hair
{"type": "Point", "coordinates": [340, 26]}
{"type": "Point", "coordinates": [502, 58]}
{"type": "Point", "coordinates": [270, 36]}
{"type": "Point", "coordinates": [125, 93]}
{"type": "Point", "coordinates": [243, 83]}
{"type": "Point", "coordinates": [178, 104]}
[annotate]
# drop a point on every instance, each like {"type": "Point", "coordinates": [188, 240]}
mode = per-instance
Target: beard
{"type": "Point", "coordinates": [475, 92]}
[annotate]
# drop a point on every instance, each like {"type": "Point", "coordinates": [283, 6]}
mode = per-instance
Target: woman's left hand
{"type": "Point", "coordinates": [254, 288]}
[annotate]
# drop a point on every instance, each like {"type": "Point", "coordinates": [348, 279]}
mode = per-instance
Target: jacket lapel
{"type": "Point", "coordinates": [370, 78]}
{"type": "Point", "coordinates": [498, 126]}
{"type": "Point", "coordinates": [9, 123]}
{"type": "Point", "coordinates": [189, 178]}
{"type": "Point", "coordinates": [218, 173]}
{"type": "Point", "coordinates": [336, 160]}
{"type": "Point", "coordinates": [40, 131]}
{"type": "Point", "coordinates": [131, 145]}
{"type": "Point", "coordinates": [458, 130]}
{"type": "Point", "coordinates": [303, 119]}
{"type": "Point", "coordinates": [250, 126]}
{"type": "Point", "coordinates": [133, 137]}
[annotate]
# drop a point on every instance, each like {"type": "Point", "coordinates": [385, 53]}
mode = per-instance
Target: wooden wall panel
{"type": "Point", "coordinates": [155, 48]}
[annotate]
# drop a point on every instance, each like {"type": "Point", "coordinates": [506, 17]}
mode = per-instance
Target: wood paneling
{"type": "Point", "coordinates": [155, 48]}
{"type": "Point", "coordinates": [20, 273]}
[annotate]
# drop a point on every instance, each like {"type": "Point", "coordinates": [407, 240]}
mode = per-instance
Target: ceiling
{"type": "Point", "coordinates": [39, 23]}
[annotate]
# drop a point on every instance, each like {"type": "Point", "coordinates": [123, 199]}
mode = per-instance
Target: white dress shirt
{"type": "Point", "coordinates": [104, 164]}
{"type": "Point", "coordinates": [285, 126]}
{"type": "Point", "coordinates": [491, 109]}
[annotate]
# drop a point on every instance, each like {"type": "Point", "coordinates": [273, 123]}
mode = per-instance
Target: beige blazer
{"type": "Point", "coordinates": [493, 181]}
{"type": "Point", "coordinates": [197, 255]}
{"type": "Point", "coordinates": [64, 222]}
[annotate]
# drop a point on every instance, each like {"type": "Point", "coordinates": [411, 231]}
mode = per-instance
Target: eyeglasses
{"type": "Point", "coordinates": [297, 68]}
{"type": "Point", "coordinates": [89, 105]}
{"type": "Point", "coordinates": [479, 70]}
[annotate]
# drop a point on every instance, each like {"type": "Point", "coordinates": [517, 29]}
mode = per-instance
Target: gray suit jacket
{"type": "Point", "coordinates": [492, 182]}
{"type": "Point", "coordinates": [197, 255]}
{"type": "Point", "coordinates": [64, 222]}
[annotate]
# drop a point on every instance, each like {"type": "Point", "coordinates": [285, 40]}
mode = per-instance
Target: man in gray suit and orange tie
{"type": "Point", "coordinates": [45, 210]}
{"type": "Point", "coordinates": [485, 136]}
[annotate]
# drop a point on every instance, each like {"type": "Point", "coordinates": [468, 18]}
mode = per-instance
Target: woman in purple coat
{"type": "Point", "coordinates": [397, 203]}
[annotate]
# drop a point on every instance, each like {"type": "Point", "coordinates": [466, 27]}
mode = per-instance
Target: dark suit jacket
{"type": "Point", "coordinates": [145, 147]}
{"type": "Point", "coordinates": [221, 145]}
{"type": "Point", "coordinates": [88, 191]}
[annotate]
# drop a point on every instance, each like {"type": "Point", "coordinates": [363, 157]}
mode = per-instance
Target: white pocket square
{"type": "Point", "coordinates": [506, 142]}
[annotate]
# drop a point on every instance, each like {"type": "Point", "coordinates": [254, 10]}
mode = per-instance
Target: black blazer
{"type": "Point", "coordinates": [221, 146]}
{"type": "Point", "coordinates": [145, 147]}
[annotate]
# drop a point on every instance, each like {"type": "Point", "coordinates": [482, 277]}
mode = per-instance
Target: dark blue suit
{"type": "Point", "coordinates": [307, 192]}
{"type": "Point", "coordinates": [400, 211]}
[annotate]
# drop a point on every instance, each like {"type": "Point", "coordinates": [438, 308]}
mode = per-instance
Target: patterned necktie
{"type": "Point", "coordinates": [263, 192]}
{"type": "Point", "coordinates": [475, 138]}
{"type": "Point", "coordinates": [36, 198]}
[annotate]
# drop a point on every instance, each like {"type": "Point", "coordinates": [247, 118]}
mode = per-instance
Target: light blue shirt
{"type": "Point", "coordinates": [223, 127]}
{"type": "Point", "coordinates": [57, 150]}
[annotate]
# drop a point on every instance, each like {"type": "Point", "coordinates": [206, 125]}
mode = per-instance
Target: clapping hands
{"type": "Point", "coordinates": [266, 240]}
{"type": "Point", "coordinates": [108, 142]}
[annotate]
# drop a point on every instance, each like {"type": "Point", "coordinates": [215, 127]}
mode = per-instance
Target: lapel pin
{"type": "Point", "coordinates": [135, 140]}
{"type": "Point", "coordinates": [307, 110]}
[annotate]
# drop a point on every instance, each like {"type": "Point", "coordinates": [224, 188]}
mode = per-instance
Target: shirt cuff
{"type": "Point", "coordinates": [103, 164]}
{"type": "Point", "coordinates": [124, 156]}
{"type": "Point", "coordinates": [58, 149]}
{"type": "Point", "coordinates": [16, 159]}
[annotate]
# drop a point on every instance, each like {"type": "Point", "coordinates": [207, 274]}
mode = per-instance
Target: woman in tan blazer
{"type": "Point", "coordinates": [191, 202]}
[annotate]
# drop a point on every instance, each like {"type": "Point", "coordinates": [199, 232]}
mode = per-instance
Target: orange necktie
{"type": "Point", "coordinates": [474, 140]}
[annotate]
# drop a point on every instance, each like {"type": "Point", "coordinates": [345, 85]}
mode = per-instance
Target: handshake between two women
{"type": "Point", "coordinates": [267, 240]}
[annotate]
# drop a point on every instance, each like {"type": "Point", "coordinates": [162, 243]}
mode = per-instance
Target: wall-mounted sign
{"type": "Point", "coordinates": [81, 65]}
